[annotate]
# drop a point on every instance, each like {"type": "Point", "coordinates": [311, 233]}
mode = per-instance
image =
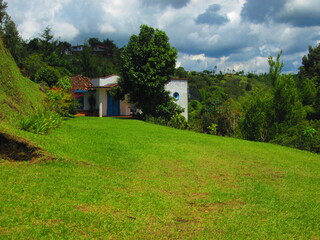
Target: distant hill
{"type": "Point", "coordinates": [19, 96]}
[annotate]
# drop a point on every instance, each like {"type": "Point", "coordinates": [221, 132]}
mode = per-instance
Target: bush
{"type": "Point", "coordinates": [48, 75]}
{"type": "Point", "coordinates": [61, 102]}
{"type": "Point", "coordinates": [168, 109]}
{"type": "Point", "coordinates": [41, 122]}
{"type": "Point", "coordinates": [32, 64]}
{"type": "Point", "coordinates": [213, 129]}
{"type": "Point", "coordinates": [305, 136]}
{"type": "Point", "coordinates": [65, 84]}
{"type": "Point", "coordinates": [151, 119]}
{"type": "Point", "coordinates": [258, 116]}
{"type": "Point", "coordinates": [178, 121]}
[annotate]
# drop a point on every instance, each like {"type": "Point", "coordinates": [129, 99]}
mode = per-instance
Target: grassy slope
{"type": "Point", "coordinates": [19, 96]}
{"type": "Point", "coordinates": [125, 179]}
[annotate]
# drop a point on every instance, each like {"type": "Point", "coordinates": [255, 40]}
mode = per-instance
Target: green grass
{"type": "Point", "coordinates": [126, 179]}
{"type": "Point", "coordinates": [19, 96]}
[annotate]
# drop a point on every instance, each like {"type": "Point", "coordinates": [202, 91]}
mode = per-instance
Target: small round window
{"type": "Point", "coordinates": [176, 96]}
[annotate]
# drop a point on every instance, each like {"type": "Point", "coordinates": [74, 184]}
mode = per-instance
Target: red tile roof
{"type": "Point", "coordinates": [80, 82]}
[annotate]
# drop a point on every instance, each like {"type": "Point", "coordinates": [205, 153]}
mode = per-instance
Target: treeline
{"type": "Point", "coordinates": [47, 58]}
{"type": "Point", "coordinates": [270, 107]}
{"type": "Point", "coordinates": [46, 55]}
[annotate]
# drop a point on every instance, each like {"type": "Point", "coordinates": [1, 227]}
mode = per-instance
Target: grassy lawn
{"type": "Point", "coordinates": [126, 179]}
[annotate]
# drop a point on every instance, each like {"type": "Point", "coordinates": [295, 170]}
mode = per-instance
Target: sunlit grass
{"type": "Point", "coordinates": [126, 179]}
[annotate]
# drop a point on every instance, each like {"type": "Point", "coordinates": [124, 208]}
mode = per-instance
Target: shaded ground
{"type": "Point", "coordinates": [14, 149]}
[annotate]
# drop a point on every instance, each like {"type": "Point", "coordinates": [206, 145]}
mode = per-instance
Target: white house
{"type": "Point", "coordinates": [94, 98]}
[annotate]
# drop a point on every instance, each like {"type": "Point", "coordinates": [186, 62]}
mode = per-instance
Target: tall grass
{"type": "Point", "coordinates": [41, 122]}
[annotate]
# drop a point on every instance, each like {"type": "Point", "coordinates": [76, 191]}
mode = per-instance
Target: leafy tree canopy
{"type": "Point", "coordinates": [3, 14]}
{"type": "Point", "coordinates": [275, 67]}
{"type": "Point", "coordinates": [311, 64]}
{"type": "Point", "coordinates": [148, 61]}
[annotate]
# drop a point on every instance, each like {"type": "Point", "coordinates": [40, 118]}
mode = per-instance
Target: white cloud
{"type": "Point", "coordinates": [107, 28]}
{"type": "Point", "coordinates": [256, 64]}
{"type": "Point", "coordinates": [201, 46]}
{"type": "Point", "coordinates": [65, 30]}
{"type": "Point", "coordinates": [28, 29]}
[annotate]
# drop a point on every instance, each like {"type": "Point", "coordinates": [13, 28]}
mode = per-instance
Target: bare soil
{"type": "Point", "coordinates": [14, 149]}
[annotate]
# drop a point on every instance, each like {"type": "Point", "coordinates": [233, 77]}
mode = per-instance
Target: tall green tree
{"type": "Point", "coordinates": [311, 64]}
{"type": "Point", "coordinates": [48, 44]}
{"type": "Point", "coordinates": [13, 40]}
{"type": "Point", "coordinates": [275, 67]}
{"type": "Point", "coordinates": [88, 66]}
{"type": "Point", "coordinates": [309, 82]}
{"type": "Point", "coordinates": [287, 105]}
{"type": "Point", "coordinates": [148, 61]}
{"type": "Point", "coordinates": [3, 13]}
{"type": "Point", "coordinates": [10, 34]}
{"type": "Point", "coordinates": [258, 116]}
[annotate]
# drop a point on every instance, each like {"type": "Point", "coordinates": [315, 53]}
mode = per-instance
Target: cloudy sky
{"type": "Point", "coordinates": [229, 34]}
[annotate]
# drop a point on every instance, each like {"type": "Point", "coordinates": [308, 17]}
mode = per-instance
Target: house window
{"type": "Point", "coordinates": [176, 96]}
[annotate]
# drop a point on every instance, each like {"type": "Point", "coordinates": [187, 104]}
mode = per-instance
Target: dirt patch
{"type": "Point", "coordinates": [211, 207]}
{"type": "Point", "coordinates": [84, 208]}
{"type": "Point", "coordinates": [14, 149]}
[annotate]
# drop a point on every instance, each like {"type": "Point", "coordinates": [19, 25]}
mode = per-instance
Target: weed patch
{"type": "Point", "coordinates": [41, 122]}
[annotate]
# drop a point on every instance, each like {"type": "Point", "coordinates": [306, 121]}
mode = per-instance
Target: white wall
{"type": "Point", "coordinates": [101, 82]}
{"type": "Point", "coordinates": [102, 101]}
{"type": "Point", "coordinates": [175, 85]}
{"type": "Point", "coordinates": [180, 86]}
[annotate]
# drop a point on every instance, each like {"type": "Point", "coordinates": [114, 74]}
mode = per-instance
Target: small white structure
{"type": "Point", "coordinates": [97, 90]}
{"type": "Point", "coordinates": [179, 91]}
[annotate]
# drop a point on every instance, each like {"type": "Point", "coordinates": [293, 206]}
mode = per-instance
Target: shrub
{"type": "Point", "coordinates": [41, 122]}
{"type": "Point", "coordinates": [213, 129]}
{"type": "Point", "coordinates": [168, 109]}
{"type": "Point", "coordinates": [178, 121]}
{"type": "Point", "coordinates": [155, 120]}
{"type": "Point", "coordinates": [65, 84]}
{"type": "Point", "coordinates": [47, 74]}
{"type": "Point", "coordinates": [258, 116]}
{"type": "Point", "coordinates": [32, 64]}
{"type": "Point", "coordinates": [305, 136]}
{"type": "Point", "coordinates": [61, 102]}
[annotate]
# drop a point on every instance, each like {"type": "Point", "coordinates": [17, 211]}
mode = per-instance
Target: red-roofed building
{"type": "Point", "coordinates": [94, 97]}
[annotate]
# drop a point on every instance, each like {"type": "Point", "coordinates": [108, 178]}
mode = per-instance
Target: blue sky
{"type": "Point", "coordinates": [229, 34]}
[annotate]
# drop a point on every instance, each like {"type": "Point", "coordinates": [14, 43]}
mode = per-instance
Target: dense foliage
{"type": "Point", "coordinates": [148, 61]}
{"type": "Point", "coordinates": [41, 122]}
{"type": "Point", "coordinates": [273, 107]}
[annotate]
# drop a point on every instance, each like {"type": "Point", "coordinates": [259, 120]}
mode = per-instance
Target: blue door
{"type": "Point", "coordinates": [113, 106]}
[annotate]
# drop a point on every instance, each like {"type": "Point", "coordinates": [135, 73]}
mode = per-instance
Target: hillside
{"type": "Point", "coordinates": [19, 96]}
{"type": "Point", "coordinates": [127, 179]}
